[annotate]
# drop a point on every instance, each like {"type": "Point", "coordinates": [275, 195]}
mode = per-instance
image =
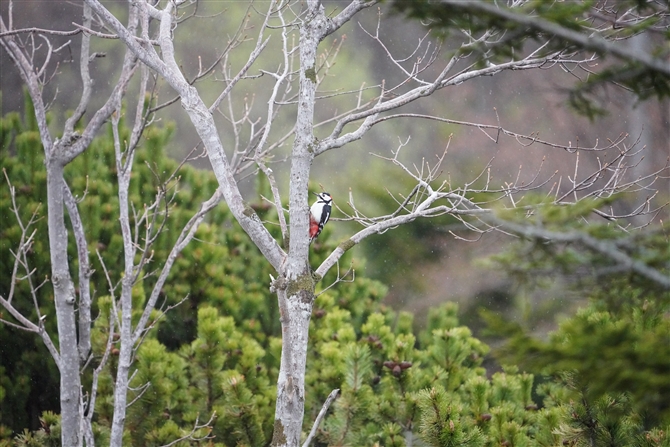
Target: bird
{"type": "Point", "coordinates": [319, 214]}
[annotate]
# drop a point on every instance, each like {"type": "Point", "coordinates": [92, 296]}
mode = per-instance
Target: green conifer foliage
{"type": "Point", "coordinates": [617, 343]}
{"type": "Point", "coordinates": [223, 265]}
{"type": "Point", "coordinates": [394, 388]}
{"type": "Point", "coordinates": [216, 356]}
{"type": "Point", "coordinates": [444, 423]}
{"type": "Point", "coordinates": [609, 352]}
{"type": "Point", "coordinates": [29, 378]}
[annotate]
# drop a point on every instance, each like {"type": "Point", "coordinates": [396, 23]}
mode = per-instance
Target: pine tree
{"type": "Point", "coordinates": [217, 354]}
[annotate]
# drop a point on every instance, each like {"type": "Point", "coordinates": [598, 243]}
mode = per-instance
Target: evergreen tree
{"type": "Point", "coordinates": [398, 386]}
{"type": "Point", "coordinates": [616, 347]}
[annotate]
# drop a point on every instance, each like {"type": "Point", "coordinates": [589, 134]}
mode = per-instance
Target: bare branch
{"type": "Point", "coordinates": [28, 75]}
{"type": "Point", "coordinates": [90, 408]}
{"type": "Point", "coordinates": [191, 436]}
{"type": "Point", "coordinates": [258, 49]}
{"type": "Point", "coordinates": [331, 398]}
{"type": "Point", "coordinates": [608, 249]}
{"type": "Point", "coordinates": [202, 121]}
{"type": "Point", "coordinates": [87, 83]}
{"type": "Point", "coordinates": [336, 139]}
{"type": "Point", "coordinates": [187, 234]}
{"type": "Point", "coordinates": [523, 140]}
{"type": "Point", "coordinates": [340, 278]}
{"type": "Point", "coordinates": [481, 215]}
{"type": "Point", "coordinates": [85, 273]}
{"type": "Point", "coordinates": [12, 32]}
{"type": "Point", "coordinates": [25, 242]}
{"type": "Point", "coordinates": [594, 42]}
{"type": "Point", "coordinates": [347, 13]}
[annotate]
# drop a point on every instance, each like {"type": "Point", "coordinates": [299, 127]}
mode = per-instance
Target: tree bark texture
{"type": "Point", "coordinates": [64, 299]}
{"type": "Point", "coordinates": [295, 312]}
{"type": "Point", "coordinates": [296, 299]}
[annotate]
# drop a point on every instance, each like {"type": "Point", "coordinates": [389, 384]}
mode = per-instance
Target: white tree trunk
{"type": "Point", "coordinates": [296, 295]}
{"type": "Point", "coordinates": [126, 329]}
{"type": "Point", "coordinates": [64, 299]}
{"type": "Point", "coordinates": [295, 312]}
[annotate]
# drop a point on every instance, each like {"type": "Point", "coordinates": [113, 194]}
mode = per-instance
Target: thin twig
{"type": "Point", "coordinates": [331, 398]}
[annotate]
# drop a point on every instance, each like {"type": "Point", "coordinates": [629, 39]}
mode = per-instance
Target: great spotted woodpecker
{"type": "Point", "coordinates": [319, 214]}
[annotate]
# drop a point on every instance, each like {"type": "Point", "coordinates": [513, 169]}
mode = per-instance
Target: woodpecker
{"type": "Point", "coordinates": [319, 214]}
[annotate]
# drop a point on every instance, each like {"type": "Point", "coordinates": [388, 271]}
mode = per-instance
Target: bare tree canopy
{"type": "Point", "coordinates": [257, 107]}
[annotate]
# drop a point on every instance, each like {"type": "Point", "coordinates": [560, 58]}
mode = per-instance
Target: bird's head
{"type": "Point", "coordinates": [324, 197]}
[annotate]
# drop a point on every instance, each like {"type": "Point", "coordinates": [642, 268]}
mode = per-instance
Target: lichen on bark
{"type": "Point", "coordinates": [278, 436]}
{"type": "Point", "coordinates": [310, 73]}
{"type": "Point", "coordinates": [304, 282]}
{"type": "Point", "coordinates": [347, 244]}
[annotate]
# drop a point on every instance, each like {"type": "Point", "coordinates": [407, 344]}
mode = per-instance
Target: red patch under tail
{"type": "Point", "coordinates": [313, 229]}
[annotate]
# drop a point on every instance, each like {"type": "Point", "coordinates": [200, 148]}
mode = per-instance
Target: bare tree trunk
{"type": "Point", "coordinates": [295, 312]}
{"type": "Point", "coordinates": [64, 298]}
{"type": "Point", "coordinates": [296, 296]}
{"type": "Point", "coordinates": [126, 350]}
